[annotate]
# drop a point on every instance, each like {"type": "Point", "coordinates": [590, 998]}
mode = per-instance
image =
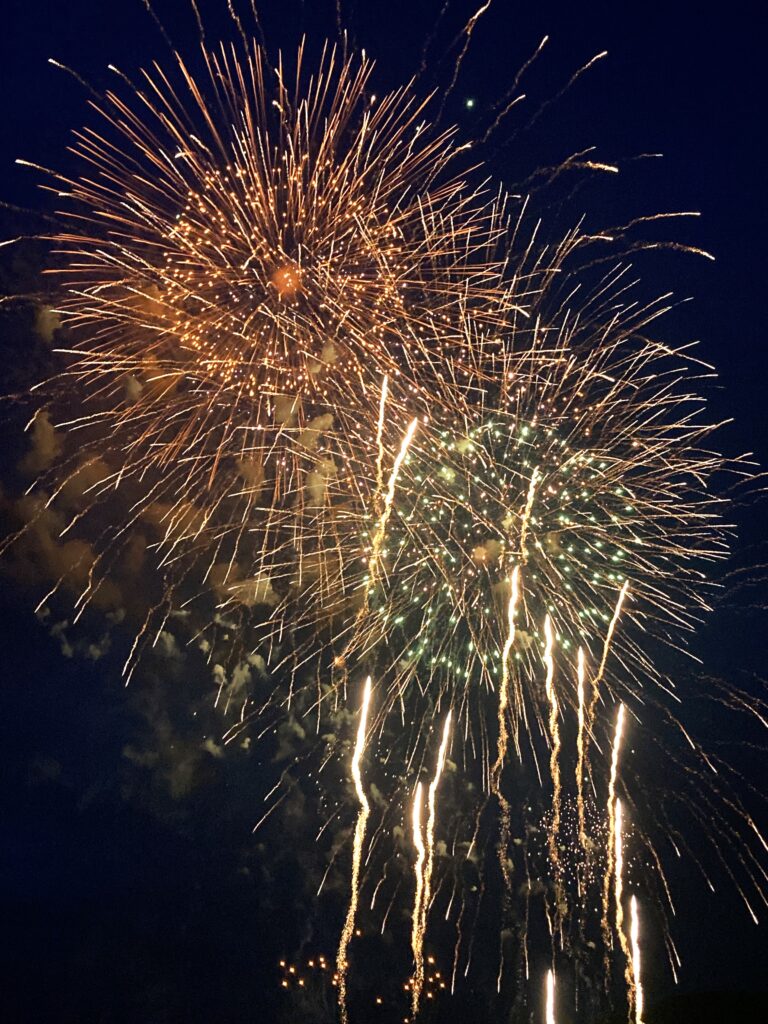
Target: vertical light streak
{"type": "Point", "coordinates": [501, 752]}
{"type": "Point", "coordinates": [342, 961]}
{"type": "Point", "coordinates": [416, 938]}
{"type": "Point", "coordinates": [619, 891]}
{"type": "Point", "coordinates": [554, 733]}
{"type": "Point", "coordinates": [527, 511]}
{"type": "Point", "coordinates": [425, 863]}
{"type": "Point", "coordinates": [612, 822]}
{"type": "Point", "coordinates": [550, 1018]}
{"type": "Point", "coordinates": [618, 854]}
{"type": "Point", "coordinates": [607, 645]}
{"type": "Point", "coordinates": [431, 817]}
{"type": "Point", "coordinates": [604, 658]}
{"type": "Point", "coordinates": [636, 964]}
{"type": "Point", "coordinates": [580, 751]}
{"type": "Point", "coordinates": [373, 565]}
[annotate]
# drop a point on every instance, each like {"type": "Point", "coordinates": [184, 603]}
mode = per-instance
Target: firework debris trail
{"type": "Point", "coordinates": [550, 998]}
{"type": "Point", "coordinates": [554, 759]}
{"type": "Point", "coordinates": [501, 754]}
{"type": "Point", "coordinates": [619, 897]}
{"type": "Point", "coordinates": [342, 958]}
{"type": "Point", "coordinates": [580, 680]}
{"type": "Point", "coordinates": [612, 826]}
{"type": "Point", "coordinates": [636, 964]}
{"type": "Point", "coordinates": [424, 843]}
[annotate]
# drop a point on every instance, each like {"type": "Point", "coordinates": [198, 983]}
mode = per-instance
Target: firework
{"type": "Point", "coordinates": [386, 426]}
{"type": "Point", "coordinates": [342, 963]}
{"type": "Point", "coordinates": [246, 255]}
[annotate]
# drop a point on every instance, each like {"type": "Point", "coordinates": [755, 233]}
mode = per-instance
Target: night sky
{"type": "Point", "coordinates": [130, 890]}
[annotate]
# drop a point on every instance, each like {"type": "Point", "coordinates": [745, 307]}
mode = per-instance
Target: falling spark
{"type": "Point", "coordinates": [613, 803]}
{"type": "Point", "coordinates": [527, 512]}
{"type": "Point", "coordinates": [425, 865]}
{"type": "Point", "coordinates": [504, 688]}
{"type": "Point", "coordinates": [378, 537]}
{"type": "Point", "coordinates": [550, 1019]}
{"type": "Point", "coordinates": [607, 646]}
{"type": "Point", "coordinates": [417, 983]}
{"type": "Point", "coordinates": [554, 733]}
{"type": "Point", "coordinates": [342, 961]}
{"type": "Point", "coordinates": [636, 965]}
{"type": "Point", "coordinates": [619, 895]}
{"type": "Point", "coordinates": [580, 751]}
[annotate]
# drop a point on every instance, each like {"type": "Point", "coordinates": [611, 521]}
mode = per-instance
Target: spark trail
{"type": "Point", "coordinates": [342, 959]}
{"type": "Point", "coordinates": [580, 751]}
{"type": "Point", "coordinates": [606, 650]}
{"type": "Point", "coordinates": [636, 964]}
{"type": "Point", "coordinates": [425, 864]}
{"type": "Point", "coordinates": [550, 1017]}
{"type": "Point", "coordinates": [554, 736]}
{"type": "Point", "coordinates": [416, 938]}
{"type": "Point", "coordinates": [612, 825]}
{"type": "Point", "coordinates": [501, 753]}
{"type": "Point", "coordinates": [381, 530]}
{"type": "Point", "coordinates": [619, 896]}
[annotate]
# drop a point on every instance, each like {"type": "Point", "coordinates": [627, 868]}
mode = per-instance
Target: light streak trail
{"type": "Point", "coordinates": [501, 753]}
{"type": "Point", "coordinates": [619, 896]}
{"type": "Point", "coordinates": [425, 864]}
{"type": "Point", "coordinates": [612, 823]}
{"type": "Point", "coordinates": [550, 1012]}
{"type": "Point", "coordinates": [378, 537]}
{"type": "Point", "coordinates": [554, 733]}
{"type": "Point", "coordinates": [580, 750]}
{"type": "Point", "coordinates": [606, 648]}
{"type": "Point", "coordinates": [636, 964]}
{"type": "Point", "coordinates": [504, 688]}
{"type": "Point", "coordinates": [342, 960]}
{"type": "Point", "coordinates": [417, 983]}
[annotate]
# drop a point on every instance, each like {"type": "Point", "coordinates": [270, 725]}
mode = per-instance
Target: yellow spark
{"type": "Point", "coordinates": [619, 895]}
{"type": "Point", "coordinates": [612, 823]}
{"type": "Point", "coordinates": [504, 688]}
{"type": "Point", "coordinates": [425, 864]}
{"type": "Point", "coordinates": [580, 747]}
{"type": "Point", "coordinates": [636, 965]}
{"type": "Point", "coordinates": [416, 937]}
{"type": "Point", "coordinates": [550, 1019]}
{"type": "Point", "coordinates": [501, 753]}
{"type": "Point", "coordinates": [378, 538]}
{"type": "Point", "coordinates": [607, 645]}
{"type": "Point", "coordinates": [342, 961]}
{"type": "Point", "coordinates": [554, 733]}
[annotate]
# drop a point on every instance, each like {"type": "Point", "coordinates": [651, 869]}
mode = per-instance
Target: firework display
{"type": "Point", "coordinates": [427, 472]}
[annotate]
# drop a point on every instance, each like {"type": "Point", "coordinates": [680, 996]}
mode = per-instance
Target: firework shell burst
{"type": "Point", "coordinates": [582, 460]}
{"type": "Point", "coordinates": [240, 268]}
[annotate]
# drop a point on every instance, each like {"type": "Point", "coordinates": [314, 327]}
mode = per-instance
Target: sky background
{"type": "Point", "coordinates": [119, 901]}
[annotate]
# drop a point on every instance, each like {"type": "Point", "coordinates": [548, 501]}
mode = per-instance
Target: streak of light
{"type": "Point", "coordinates": [342, 958]}
{"type": "Point", "coordinates": [636, 964]}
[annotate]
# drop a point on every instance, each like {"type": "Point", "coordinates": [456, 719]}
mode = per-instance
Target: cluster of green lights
{"type": "Point", "coordinates": [455, 533]}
